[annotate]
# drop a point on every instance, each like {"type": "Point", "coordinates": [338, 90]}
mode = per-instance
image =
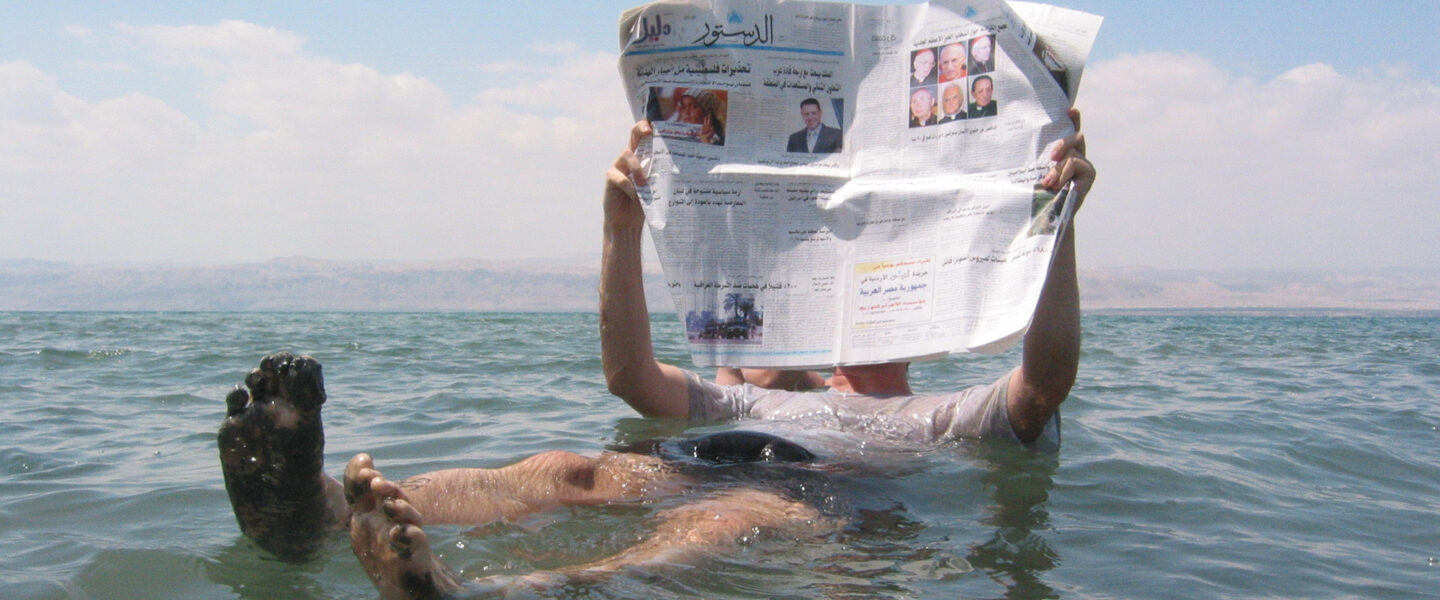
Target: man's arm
{"type": "Point", "coordinates": [631, 372]}
{"type": "Point", "coordinates": [1051, 355]}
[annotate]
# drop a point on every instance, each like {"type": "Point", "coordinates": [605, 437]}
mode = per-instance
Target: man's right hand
{"type": "Point", "coordinates": [622, 202]}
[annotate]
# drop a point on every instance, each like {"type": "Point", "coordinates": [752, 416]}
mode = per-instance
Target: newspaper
{"type": "Point", "coordinates": [846, 184]}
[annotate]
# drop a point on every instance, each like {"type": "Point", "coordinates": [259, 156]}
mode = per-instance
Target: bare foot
{"type": "Point", "coordinates": [386, 535]}
{"type": "Point", "coordinates": [272, 451]}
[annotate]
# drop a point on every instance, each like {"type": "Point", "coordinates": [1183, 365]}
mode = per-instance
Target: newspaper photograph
{"type": "Point", "coordinates": [835, 183]}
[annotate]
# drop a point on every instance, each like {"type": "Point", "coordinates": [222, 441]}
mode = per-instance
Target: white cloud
{"type": "Point", "coordinates": [216, 47]}
{"type": "Point", "coordinates": [1200, 168]}
{"type": "Point", "coordinates": [304, 155]}
{"type": "Point", "coordinates": [290, 153]}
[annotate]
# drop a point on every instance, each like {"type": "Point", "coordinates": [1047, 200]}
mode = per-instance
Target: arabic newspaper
{"type": "Point", "coordinates": [845, 184]}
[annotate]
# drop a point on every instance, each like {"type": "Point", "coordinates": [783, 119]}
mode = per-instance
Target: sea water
{"type": "Point", "coordinates": [1204, 456]}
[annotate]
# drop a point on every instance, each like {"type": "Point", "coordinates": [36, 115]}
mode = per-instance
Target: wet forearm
{"type": "Point", "coordinates": [625, 345]}
{"type": "Point", "coordinates": [1052, 345]}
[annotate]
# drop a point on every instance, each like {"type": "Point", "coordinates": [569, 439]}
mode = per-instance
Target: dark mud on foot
{"type": "Point", "coordinates": [272, 447]}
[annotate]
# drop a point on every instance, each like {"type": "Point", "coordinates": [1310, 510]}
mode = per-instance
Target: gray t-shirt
{"type": "Point", "coordinates": [977, 412]}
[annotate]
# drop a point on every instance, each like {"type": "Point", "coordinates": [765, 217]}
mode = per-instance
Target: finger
{"type": "Point", "coordinates": [618, 180]}
{"type": "Point", "coordinates": [1066, 173]}
{"type": "Point", "coordinates": [638, 133]}
{"type": "Point", "coordinates": [1076, 168]}
{"type": "Point", "coordinates": [630, 167]}
{"type": "Point", "coordinates": [627, 163]}
{"type": "Point", "coordinates": [1051, 179]}
{"type": "Point", "coordinates": [1072, 142]}
{"type": "Point", "coordinates": [1075, 118]}
{"type": "Point", "coordinates": [1072, 165]}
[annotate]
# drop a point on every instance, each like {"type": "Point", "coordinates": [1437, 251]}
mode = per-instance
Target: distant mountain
{"type": "Point", "coordinates": [1146, 288]}
{"type": "Point", "coordinates": [297, 284]}
{"type": "Point", "coordinates": [307, 284]}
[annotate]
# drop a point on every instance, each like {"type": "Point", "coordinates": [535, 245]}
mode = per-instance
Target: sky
{"type": "Point", "coordinates": [1253, 135]}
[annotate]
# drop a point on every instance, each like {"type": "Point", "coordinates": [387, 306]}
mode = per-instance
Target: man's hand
{"type": "Point", "coordinates": [622, 202]}
{"type": "Point", "coordinates": [1070, 163]}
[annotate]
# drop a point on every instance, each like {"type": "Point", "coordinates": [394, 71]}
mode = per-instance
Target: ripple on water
{"type": "Point", "coordinates": [48, 466]}
{"type": "Point", "coordinates": [1206, 456]}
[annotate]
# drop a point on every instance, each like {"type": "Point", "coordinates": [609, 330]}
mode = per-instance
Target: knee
{"type": "Point", "coordinates": [565, 467]}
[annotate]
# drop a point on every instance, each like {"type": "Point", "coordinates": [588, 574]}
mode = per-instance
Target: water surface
{"type": "Point", "coordinates": [1205, 456]}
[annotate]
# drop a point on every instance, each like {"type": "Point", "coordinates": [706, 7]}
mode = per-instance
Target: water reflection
{"type": "Point", "coordinates": [250, 572]}
{"type": "Point", "coordinates": [1017, 555]}
{"type": "Point", "coordinates": [917, 524]}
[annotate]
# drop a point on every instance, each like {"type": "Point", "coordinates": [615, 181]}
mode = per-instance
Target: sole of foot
{"type": "Point", "coordinates": [272, 452]}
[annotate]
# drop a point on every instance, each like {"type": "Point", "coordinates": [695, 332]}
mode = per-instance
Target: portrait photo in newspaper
{"type": "Point", "coordinates": [688, 114]}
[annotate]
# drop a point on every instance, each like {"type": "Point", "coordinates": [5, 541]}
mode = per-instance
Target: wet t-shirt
{"type": "Point", "coordinates": [807, 417]}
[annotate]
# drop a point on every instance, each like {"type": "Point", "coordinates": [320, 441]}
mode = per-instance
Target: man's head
{"type": "Point", "coordinates": [923, 62]}
{"type": "Point", "coordinates": [922, 103]}
{"type": "Point", "coordinates": [952, 61]}
{"type": "Point", "coordinates": [982, 89]}
{"type": "Point", "coordinates": [810, 112]}
{"type": "Point", "coordinates": [952, 100]}
{"type": "Point", "coordinates": [981, 47]}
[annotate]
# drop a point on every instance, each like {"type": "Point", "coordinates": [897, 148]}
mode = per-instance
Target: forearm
{"type": "Point", "coordinates": [1051, 355]}
{"type": "Point", "coordinates": [625, 346]}
{"type": "Point", "coordinates": [626, 350]}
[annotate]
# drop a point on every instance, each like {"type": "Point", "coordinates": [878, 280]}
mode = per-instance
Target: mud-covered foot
{"type": "Point", "coordinates": [272, 451]}
{"type": "Point", "coordinates": [386, 535]}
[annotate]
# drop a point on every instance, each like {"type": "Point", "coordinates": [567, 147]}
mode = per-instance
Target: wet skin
{"type": "Point", "coordinates": [272, 451]}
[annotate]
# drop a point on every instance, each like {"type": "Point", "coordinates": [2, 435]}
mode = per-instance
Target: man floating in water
{"type": "Point", "coordinates": [272, 453]}
{"type": "Point", "coordinates": [272, 439]}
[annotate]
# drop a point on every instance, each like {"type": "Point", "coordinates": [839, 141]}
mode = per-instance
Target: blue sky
{"type": "Point", "coordinates": [1256, 134]}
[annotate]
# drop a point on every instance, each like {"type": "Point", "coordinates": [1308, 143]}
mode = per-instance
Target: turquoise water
{"type": "Point", "coordinates": [1205, 457]}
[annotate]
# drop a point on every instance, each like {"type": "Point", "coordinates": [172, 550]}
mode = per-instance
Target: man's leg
{"type": "Point", "coordinates": [537, 483]}
{"type": "Point", "coordinates": [713, 524]}
{"type": "Point", "coordinates": [387, 536]}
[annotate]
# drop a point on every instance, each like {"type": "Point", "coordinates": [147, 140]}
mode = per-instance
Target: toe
{"type": "Point", "coordinates": [358, 474]}
{"type": "Point", "coordinates": [407, 540]}
{"type": "Point", "coordinates": [401, 511]}
{"type": "Point", "coordinates": [304, 385]}
{"type": "Point", "coordinates": [237, 401]}
{"type": "Point", "coordinates": [358, 463]}
{"type": "Point", "coordinates": [360, 492]}
{"type": "Point", "coordinates": [401, 543]}
{"type": "Point", "coordinates": [260, 386]}
{"type": "Point", "coordinates": [385, 489]}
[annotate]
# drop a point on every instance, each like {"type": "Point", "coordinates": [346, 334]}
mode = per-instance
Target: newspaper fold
{"type": "Point", "coordinates": [843, 184]}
